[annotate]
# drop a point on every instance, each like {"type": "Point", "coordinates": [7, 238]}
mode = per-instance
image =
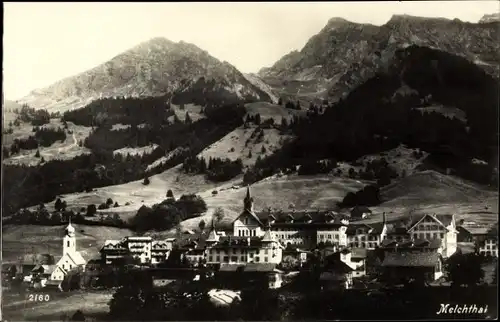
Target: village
{"type": "Point", "coordinates": [270, 248]}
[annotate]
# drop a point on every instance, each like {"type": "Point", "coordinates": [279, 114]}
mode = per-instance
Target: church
{"type": "Point", "coordinates": [70, 259]}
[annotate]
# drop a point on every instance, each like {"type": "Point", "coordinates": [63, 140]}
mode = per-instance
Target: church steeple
{"type": "Point", "coordinates": [248, 201]}
{"type": "Point", "coordinates": [69, 240]}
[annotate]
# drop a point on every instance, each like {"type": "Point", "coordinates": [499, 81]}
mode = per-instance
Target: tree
{"type": "Point", "coordinates": [57, 205]}
{"type": "Point", "coordinates": [109, 202]}
{"type": "Point", "coordinates": [146, 181]}
{"type": "Point", "coordinates": [37, 154]}
{"type": "Point", "coordinates": [202, 225]}
{"type": "Point", "coordinates": [249, 154]}
{"type": "Point", "coordinates": [218, 214]}
{"type": "Point", "coordinates": [280, 101]}
{"type": "Point", "coordinates": [257, 119]}
{"type": "Point", "coordinates": [116, 204]}
{"type": "Point", "coordinates": [465, 269]}
{"type": "Point", "coordinates": [91, 210]}
{"type": "Point", "coordinates": [170, 194]}
{"type": "Point", "coordinates": [188, 119]}
{"type": "Point", "coordinates": [263, 149]}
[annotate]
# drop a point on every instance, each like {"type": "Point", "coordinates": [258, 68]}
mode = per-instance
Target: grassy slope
{"type": "Point", "coordinates": [301, 192]}
{"type": "Point", "coordinates": [27, 239]}
{"type": "Point", "coordinates": [59, 150]}
{"type": "Point", "coordinates": [268, 110]}
{"type": "Point", "coordinates": [238, 144]}
{"type": "Point", "coordinates": [432, 192]}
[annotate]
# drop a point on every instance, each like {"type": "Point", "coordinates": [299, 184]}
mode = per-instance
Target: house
{"type": "Point", "coordinates": [401, 266]}
{"type": "Point", "coordinates": [250, 275]}
{"type": "Point", "coordinates": [141, 248]}
{"type": "Point", "coordinates": [367, 236]}
{"type": "Point", "coordinates": [427, 227]}
{"type": "Point", "coordinates": [42, 273]}
{"type": "Point", "coordinates": [360, 212]}
{"type": "Point", "coordinates": [488, 245]}
{"type": "Point", "coordinates": [471, 233]}
{"type": "Point", "coordinates": [242, 250]}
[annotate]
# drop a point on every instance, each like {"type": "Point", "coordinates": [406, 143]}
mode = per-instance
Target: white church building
{"type": "Point", "coordinates": [70, 259]}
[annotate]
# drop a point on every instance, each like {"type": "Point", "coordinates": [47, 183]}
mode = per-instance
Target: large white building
{"type": "Point", "coordinates": [142, 248]}
{"type": "Point", "coordinates": [308, 229]}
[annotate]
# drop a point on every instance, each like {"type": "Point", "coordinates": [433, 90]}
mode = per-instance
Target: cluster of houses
{"type": "Point", "coordinates": [260, 244]}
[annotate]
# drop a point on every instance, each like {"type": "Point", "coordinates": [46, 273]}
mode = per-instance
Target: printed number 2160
{"type": "Point", "coordinates": [39, 297]}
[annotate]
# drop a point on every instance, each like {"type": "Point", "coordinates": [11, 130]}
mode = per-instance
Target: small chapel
{"type": "Point", "coordinates": [70, 259]}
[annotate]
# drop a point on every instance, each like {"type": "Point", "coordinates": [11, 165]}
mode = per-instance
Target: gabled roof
{"type": "Point", "coordinates": [418, 219]}
{"type": "Point", "coordinates": [475, 230]}
{"type": "Point", "coordinates": [250, 213]}
{"type": "Point", "coordinates": [77, 258]}
{"type": "Point", "coordinates": [404, 259]}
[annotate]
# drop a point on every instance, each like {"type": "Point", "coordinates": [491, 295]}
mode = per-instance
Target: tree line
{"type": "Point", "coordinates": [216, 169]}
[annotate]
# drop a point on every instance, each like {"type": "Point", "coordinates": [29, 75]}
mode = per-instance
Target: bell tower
{"type": "Point", "coordinates": [248, 201]}
{"type": "Point", "coordinates": [69, 240]}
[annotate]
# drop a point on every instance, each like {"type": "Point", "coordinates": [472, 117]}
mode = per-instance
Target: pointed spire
{"type": "Point", "coordinates": [248, 201]}
{"type": "Point", "coordinates": [248, 192]}
{"type": "Point", "coordinates": [268, 237]}
{"type": "Point", "coordinates": [212, 235]}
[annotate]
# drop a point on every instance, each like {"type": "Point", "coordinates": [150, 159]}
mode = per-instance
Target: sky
{"type": "Point", "coordinates": [45, 42]}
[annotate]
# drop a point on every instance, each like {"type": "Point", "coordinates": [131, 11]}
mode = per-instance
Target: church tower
{"type": "Point", "coordinates": [69, 240]}
{"type": "Point", "coordinates": [248, 201]}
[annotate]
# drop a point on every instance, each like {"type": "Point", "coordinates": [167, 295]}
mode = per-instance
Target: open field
{"type": "Point", "coordinates": [299, 192]}
{"type": "Point", "coordinates": [138, 194]}
{"type": "Point", "coordinates": [435, 193]}
{"type": "Point", "coordinates": [243, 143]}
{"type": "Point", "coordinates": [94, 305]}
{"type": "Point", "coordinates": [450, 112]}
{"type": "Point", "coordinates": [59, 150]}
{"type": "Point", "coordinates": [136, 151]}
{"type": "Point", "coordinates": [268, 110]}
{"type": "Point", "coordinates": [194, 112]}
{"type": "Point", "coordinates": [18, 240]}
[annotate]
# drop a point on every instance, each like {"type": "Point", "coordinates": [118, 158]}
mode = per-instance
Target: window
{"type": "Point", "coordinates": [217, 258]}
{"type": "Point", "coordinates": [234, 258]}
{"type": "Point", "coordinates": [329, 236]}
{"type": "Point", "coordinates": [226, 259]}
{"type": "Point", "coordinates": [251, 255]}
{"type": "Point", "coordinates": [257, 259]}
{"type": "Point", "coordinates": [265, 251]}
{"type": "Point", "coordinates": [428, 235]}
{"type": "Point", "coordinates": [242, 258]}
{"type": "Point", "coordinates": [210, 258]}
{"type": "Point", "coordinates": [265, 259]}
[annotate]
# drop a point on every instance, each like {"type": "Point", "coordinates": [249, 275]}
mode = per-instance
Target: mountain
{"type": "Point", "coordinates": [494, 17]}
{"type": "Point", "coordinates": [402, 105]}
{"type": "Point", "coordinates": [344, 54]}
{"type": "Point", "coordinates": [153, 68]}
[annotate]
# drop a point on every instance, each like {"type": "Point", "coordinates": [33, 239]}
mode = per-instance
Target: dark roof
{"type": "Point", "coordinates": [237, 241]}
{"type": "Point", "coordinates": [417, 243]}
{"type": "Point", "coordinates": [259, 267]}
{"type": "Point", "coordinates": [230, 267]}
{"type": "Point", "coordinates": [301, 218]}
{"type": "Point", "coordinates": [373, 229]}
{"type": "Point", "coordinates": [404, 259]}
{"type": "Point", "coordinates": [360, 253]}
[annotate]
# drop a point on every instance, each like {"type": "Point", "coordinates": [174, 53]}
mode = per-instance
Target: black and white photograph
{"type": "Point", "coordinates": [250, 161]}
